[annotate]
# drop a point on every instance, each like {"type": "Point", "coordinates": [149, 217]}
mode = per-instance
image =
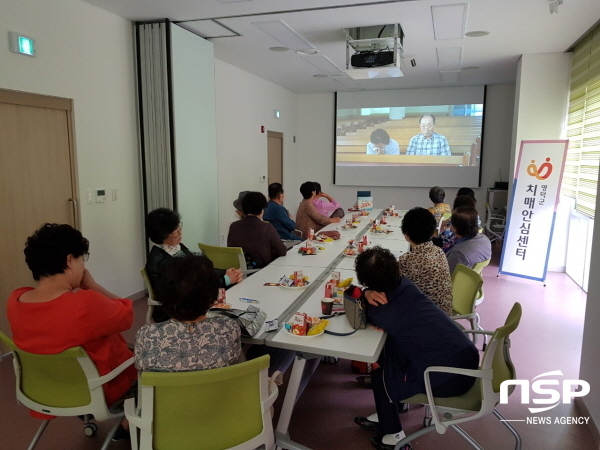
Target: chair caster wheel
{"type": "Point", "coordinates": [427, 421]}
{"type": "Point", "coordinates": [90, 429]}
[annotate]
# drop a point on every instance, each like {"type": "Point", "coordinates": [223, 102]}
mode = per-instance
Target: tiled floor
{"type": "Point", "coordinates": [549, 338]}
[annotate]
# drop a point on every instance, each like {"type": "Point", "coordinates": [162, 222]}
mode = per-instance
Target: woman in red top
{"type": "Point", "coordinates": [68, 308]}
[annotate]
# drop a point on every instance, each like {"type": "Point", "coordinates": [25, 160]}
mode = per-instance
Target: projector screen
{"type": "Point", "coordinates": [410, 137]}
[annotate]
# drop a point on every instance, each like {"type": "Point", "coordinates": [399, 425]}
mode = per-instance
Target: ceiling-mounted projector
{"type": "Point", "coordinates": [378, 51]}
{"type": "Point", "coordinates": [372, 59]}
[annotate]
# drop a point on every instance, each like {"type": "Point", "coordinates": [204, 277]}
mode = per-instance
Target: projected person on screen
{"type": "Point", "coordinates": [382, 144]}
{"type": "Point", "coordinates": [428, 142]}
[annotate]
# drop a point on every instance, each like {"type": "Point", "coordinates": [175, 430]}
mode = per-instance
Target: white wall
{"type": "Point", "coordinates": [541, 102]}
{"type": "Point", "coordinates": [316, 115]}
{"type": "Point", "coordinates": [590, 362]}
{"type": "Point", "coordinates": [246, 102]}
{"type": "Point", "coordinates": [86, 54]}
{"type": "Point", "coordinates": [194, 127]}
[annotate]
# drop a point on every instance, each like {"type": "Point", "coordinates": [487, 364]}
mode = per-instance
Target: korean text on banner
{"type": "Point", "coordinates": [536, 188]}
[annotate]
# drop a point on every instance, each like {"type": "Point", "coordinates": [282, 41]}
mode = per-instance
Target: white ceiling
{"type": "Point", "coordinates": [516, 27]}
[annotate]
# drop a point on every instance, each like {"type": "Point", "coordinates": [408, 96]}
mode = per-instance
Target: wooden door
{"type": "Point", "coordinates": [275, 157]}
{"type": "Point", "coordinates": [37, 179]}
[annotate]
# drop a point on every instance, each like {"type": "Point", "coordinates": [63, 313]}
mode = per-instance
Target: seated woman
{"type": "Point", "coordinates": [328, 207]}
{"type": "Point", "coordinates": [447, 239]}
{"type": "Point", "coordinates": [258, 239]}
{"type": "Point", "coordinates": [164, 229]}
{"type": "Point", "coordinates": [307, 216]}
{"type": "Point", "coordinates": [425, 265]}
{"type": "Point", "coordinates": [68, 308]}
{"type": "Point", "coordinates": [471, 246]}
{"type": "Point", "coordinates": [187, 289]}
{"type": "Point", "coordinates": [419, 335]}
{"type": "Point", "coordinates": [437, 196]}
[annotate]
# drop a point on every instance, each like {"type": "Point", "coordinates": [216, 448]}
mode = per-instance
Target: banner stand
{"type": "Point", "coordinates": [532, 209]}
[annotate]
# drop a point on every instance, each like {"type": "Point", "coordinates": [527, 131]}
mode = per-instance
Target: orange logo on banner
{"type": "Point", "coordinates": [542, 172]}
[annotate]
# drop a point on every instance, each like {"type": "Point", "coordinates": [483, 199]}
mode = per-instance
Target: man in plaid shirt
{"type": "Point", "coordinates": [428, 142]}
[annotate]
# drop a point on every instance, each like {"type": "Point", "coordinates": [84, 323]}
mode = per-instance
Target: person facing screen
{"type": "Point", "coordinates": [382, 144]}
{"type": "Point", "coordinates": [428, 142]}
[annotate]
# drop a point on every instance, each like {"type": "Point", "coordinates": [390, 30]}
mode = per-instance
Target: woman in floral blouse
{"type": "Point", "coordinates": [425, 265]}
{"type": "Point", "coordinates": [189, 340]}
{"type": "Point", "coordinates": [437, 196]}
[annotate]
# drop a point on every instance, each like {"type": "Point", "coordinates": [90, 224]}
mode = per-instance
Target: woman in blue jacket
{"type": "Point", "coordinates": [420, 335]}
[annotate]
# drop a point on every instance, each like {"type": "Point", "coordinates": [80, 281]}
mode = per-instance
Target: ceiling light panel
{"type": "Point", "coordinates": [323, 63]}
{"type": "Point", "coordinates": [449, 76]}
{"type": "Point", "coordinates": [449, 56]}
{"type": "Point", "coordinates": [282, 33]}
{"type": "Point", "coordinates": [449, 21]}
{"type": "Point", "coordinates": [207, 28]}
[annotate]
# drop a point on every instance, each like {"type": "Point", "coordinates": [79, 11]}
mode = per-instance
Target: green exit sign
{"type": "Point", "coordinates": [21, 44]}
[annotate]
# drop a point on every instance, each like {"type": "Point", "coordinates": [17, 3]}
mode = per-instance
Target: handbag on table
{"type": "Point", "coordinates": [249, 320]}
{"type": "Point", "coordinates": [355, 310]}
{"type": "Point", "coordinates": [355, 307]}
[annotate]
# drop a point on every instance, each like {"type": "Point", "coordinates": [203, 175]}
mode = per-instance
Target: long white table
{"type": "Point", "coordinates": [274, 300]}
{"type": "Point", "coordinates": [364, 345]}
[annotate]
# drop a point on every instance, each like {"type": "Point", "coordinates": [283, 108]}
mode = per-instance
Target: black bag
{"type": "Point", "coordinates": [250, 320]}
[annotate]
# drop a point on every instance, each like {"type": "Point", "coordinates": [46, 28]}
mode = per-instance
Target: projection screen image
{"type": "Point", "coordinates": [404, 144]}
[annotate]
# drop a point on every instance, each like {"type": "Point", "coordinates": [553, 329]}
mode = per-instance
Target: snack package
{"type": "Point", "coordinates": [365, 239]}
{"type": "Point", "coordinates": [221, 300]}
{"type": "Point", "coordinates": [361, 247]}
{"type": "Point", "coordinates": [298, 278]}
{"type": "Point", "coordinates": [286, 281]}
{"type": "Point", "coordinates": [311, 234]}
{"type": "Point", "coordinates": [299, 323]}
{"type": "Point", "coordinates": [308, 250]}
{"type": "Point", "coordinates": [335, 278]}
{"type": "Point", "coordinates": [328, 289]}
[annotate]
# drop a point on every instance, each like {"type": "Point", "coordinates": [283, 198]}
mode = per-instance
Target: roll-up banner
{"type": "Point", "coordinates": [535, 194]}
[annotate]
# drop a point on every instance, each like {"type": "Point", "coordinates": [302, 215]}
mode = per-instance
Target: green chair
{"type": "Point", "coordinates": [224, 257]}
{"type": "Point", "coordinates": [226, 408]}
{"type": "Point", "coordinates": [64, 384]}
{"type": "Point", "coordinates": [151, 302]}
{"type": "Point", "coordinates": [466, 284]}
{"type": "Point", "coordinates": [478, 267]}
{"type": "Point", "coordinates": [445, 216]}
{"type": "Point", "coordinates": [479, 401]}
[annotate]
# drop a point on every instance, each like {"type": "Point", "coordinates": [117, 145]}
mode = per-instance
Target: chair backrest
{"type": "Point", "coordinates": [497, 354]}
{"type": "Point", "coordinates": [478, 267]}
{"type": "Point", "coordinates": [465, 289]}
{"type": "Point", "coordinates": [488, 217]}
{"type": "Point", "coordinates": [219, 408]}
{"type": "Point", "coordinates": [45, 382]}
{"type": "Point", "coordinates": [151, 298]}
{"type": "Point", "coordinates": [148, 284]}
{"type": "Point", "coordinates": [445, 216]}
{"type": "Point", "coordinates": [224, 257]}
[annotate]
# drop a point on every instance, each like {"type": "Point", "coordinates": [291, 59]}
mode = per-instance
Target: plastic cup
{"type": "Point", "coordinates": [326, 306]}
